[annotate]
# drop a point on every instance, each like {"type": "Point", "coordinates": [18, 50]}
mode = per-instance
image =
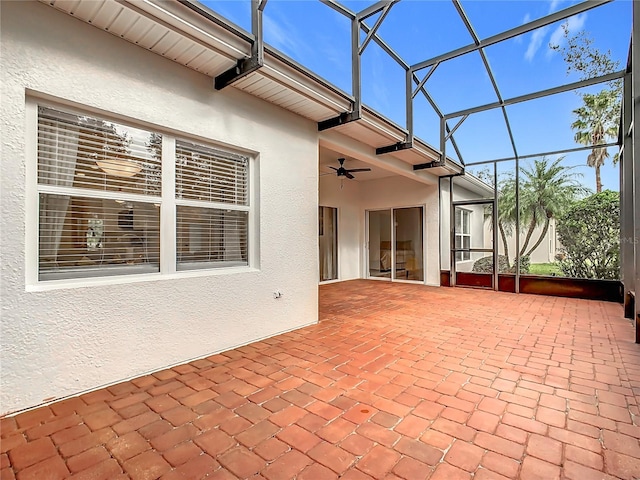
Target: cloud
{"type": "Point", "coordinates": [379, 86]}
{"type": "Point", "coordinates": [537, 37]}
{"type": "Point", "coordinates": [574, 24]}
{"type": "Point", "coordinates": [526, 19]}
{"type": "Point", "coordinates": [278, 33]}
{"type": "Point", "coordinates": [535, 42]}
{"type": "Point", "coordinates": [553, 5]}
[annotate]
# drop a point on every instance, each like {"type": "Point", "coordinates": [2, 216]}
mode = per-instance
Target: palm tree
{"type": "Point", "coordinates": [547, 190]}
{"type": "Point", "coordinates": [506, 212]}
{"type": "Point", "coordinates": [597, 121]}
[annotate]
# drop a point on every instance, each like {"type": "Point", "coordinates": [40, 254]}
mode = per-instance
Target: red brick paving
{"type": "Point", "coordinates": [397, 381]}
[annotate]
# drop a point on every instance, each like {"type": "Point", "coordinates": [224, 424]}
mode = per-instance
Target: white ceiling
{"type": "Point", "coordinates": [330, 158]}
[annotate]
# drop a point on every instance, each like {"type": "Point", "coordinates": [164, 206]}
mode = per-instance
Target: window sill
{"type": "Point", "coordinates": [47, 285]}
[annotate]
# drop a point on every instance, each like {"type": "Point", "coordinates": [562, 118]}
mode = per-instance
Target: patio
{"type": "Point", "coordinates": [397, 381]}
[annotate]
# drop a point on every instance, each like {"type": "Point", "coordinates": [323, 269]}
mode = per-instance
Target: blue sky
{"type": "Point", "coordinates": [319, 38]}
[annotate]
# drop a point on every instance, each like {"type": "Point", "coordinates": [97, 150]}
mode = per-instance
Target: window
{"type": "Point", "coordinates": [463, 234]}
{"type": "Point", "coordinates": [99, 187]}
{"type": "Point", "coordinates": [212, 207]}
{"type": "Point", "coordinates": [100, 200]}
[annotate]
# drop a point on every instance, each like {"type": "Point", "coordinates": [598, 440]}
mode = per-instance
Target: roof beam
{"type": "Point", "coordinates": [398, 59]}
{"type": "Point", "coordinates": [438, 111]}
{"type": "Point", "coordinates": [396, 147]}
{"type": "Point", "coordinates": [424, 80]}
{"type": "Point", "coordinates": [215, 18]}
{"type": "Point", "coordinates": [376, 25]}
{"type": "Point", "coordinates": [341, 119]}
{"type": "Point", "coordinates": [338, 7]}
{"type": "Point", "coordinates": [542, 93]}
{"type": "Point", "coordinates": [375, 8]}
{"type": "Point", "coordinates": [357, 48]}
{"type": "Point", "coordinates": [514, 32]}
{"type": "Point", "coordinates": [382, 44]}
{"type": "Point", "coordinates": [542, 154]}
{"type": "Point", "coordinates": [245, 66]}
{"type": "Point", "coordinates": [448, 134]}
{"type": "Point", "coordinates": [487, 67]}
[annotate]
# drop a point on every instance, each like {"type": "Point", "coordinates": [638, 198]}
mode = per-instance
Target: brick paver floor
{"type": "Point", "coordinates": [397, 381]}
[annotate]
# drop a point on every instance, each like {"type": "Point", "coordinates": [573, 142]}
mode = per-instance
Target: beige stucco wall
{"type": "Point", "coordinates": [62, 340]}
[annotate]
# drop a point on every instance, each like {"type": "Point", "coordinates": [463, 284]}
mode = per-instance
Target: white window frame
{"type": "Point", "coordinates": [167, 201]}
{"type": "Point", "coordinates": [212, 205]}
{"type": "Point", "coordinates": [93, 191]}
{"type": "Point", "coordinates": [465, 218]}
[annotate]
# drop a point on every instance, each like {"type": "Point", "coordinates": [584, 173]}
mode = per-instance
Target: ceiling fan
{"type": "Point", "coordinates": [343, 172]}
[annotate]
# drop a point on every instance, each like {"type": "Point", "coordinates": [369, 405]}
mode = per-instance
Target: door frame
{"type": "Point", "coordinates": [392, 278]}
{"type": "Point", "coordinates": [337, 245]}
{"type": "Point", "coordinates": [452, 240]}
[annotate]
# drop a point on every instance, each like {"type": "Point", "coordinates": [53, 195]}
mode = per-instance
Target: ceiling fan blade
{"type": "Point", "coordinates": [348, 175]}
{"type": "Point", "coordinates": [359, 170]}
{"type": "Point", "coordinates": [332, 168]}
{"type": "Point", "coordinates": [323, 174]}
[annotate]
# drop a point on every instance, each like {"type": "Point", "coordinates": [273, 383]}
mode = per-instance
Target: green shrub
{"type": "Point", "coordinates": [590, 236]}
{"type": "Point", "coordinates": [485, 265]}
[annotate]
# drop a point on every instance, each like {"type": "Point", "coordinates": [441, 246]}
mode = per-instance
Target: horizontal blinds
{"type": "Point", "coordinates": [203, 173]}
{"type": "Point", "coordinates": [91, 236]}
{"type": "Point", "coordinates": [209, 237]}
{"type": "Point", "coordinates": [86, 230]}
{"type": "Point", "coordinates": [85, 152]}
{"type": "Point", "coordinates": [466, 221]}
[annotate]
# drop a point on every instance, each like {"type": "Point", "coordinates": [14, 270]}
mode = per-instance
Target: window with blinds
{"type": "Point", "coordinates": [99, 187]}
{"type": "Point", "coordinates": [100, 200]}
{"type": "Point", "coordinates": [212, 207]}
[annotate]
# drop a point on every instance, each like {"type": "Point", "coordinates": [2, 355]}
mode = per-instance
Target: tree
{"type": "Point", "coordinates": [598, 118]}
{"type": "Point", "coordinates": [584, 59]}
{"type": "Point", "coordinates": [506, 204]}
{"type": "Point", "coordinates": [590, 234]}
{"type": "Point", "coordinates": [597, 123]}
{"type": "Point", "coordinates": [101, 140]}
{"type": "Point", "coordinates": [547, 190]}
{"type": "Point", "coordinates": [153, 170]}
{"type": "Point", "coordinates": [506, 211]}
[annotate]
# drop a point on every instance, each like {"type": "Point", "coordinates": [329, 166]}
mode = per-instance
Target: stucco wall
{"type": "Point", "coordinates": [345, 196]}
{"type": "Point", "coordinates": [546, 251]}
{"type": "Point", "coordinates": [57, 342]}
{"type": "Point", "coordinates": [403, 192]}
{"type": "Point", "coordinates": [481, 237]}
{"type": "Point", "coordinates": [352, 201]}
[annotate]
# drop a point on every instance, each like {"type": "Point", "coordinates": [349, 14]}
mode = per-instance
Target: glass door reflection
{"type": "Point", "coordinates": [408, 223]}
{"type": "Point", "coordinates": [380, 251]}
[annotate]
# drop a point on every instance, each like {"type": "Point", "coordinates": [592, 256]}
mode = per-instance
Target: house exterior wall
{"type": "Point", "coordinates": [346, 198]}
{"type": "Point", "coordinates": [481, 237]}
{"type": "Point", "coordinates": [482, 234]}
{"type": "Point", "coordinates": [399, 192]}
{"type": "Point", "coordinates": [544, 253]}
{"type": "Point", "coordinates": [58, 340]}
{"type": "Point", "coordinates": [354, 198]}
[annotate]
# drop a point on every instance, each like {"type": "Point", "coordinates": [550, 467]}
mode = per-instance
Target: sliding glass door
{"type": "Point", "coordinates": [395, 240]}
{"type": "Point", "coordinates": [408, 233]}
{"type": "Point", "coordinates": [380, 253]}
